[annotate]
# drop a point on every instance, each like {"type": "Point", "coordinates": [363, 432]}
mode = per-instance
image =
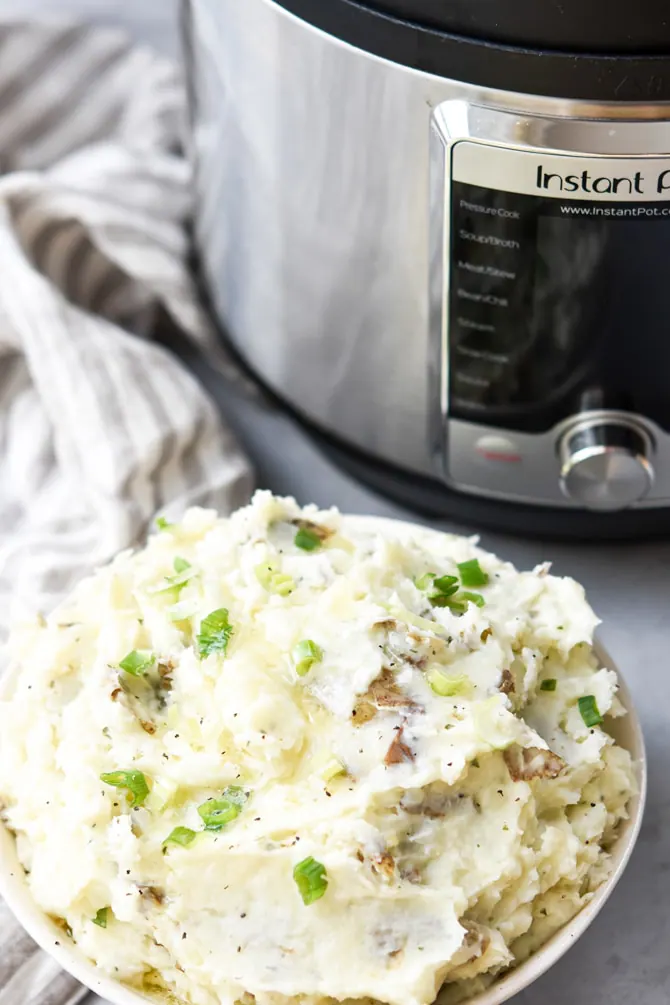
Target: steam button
{"type": "Point", "coordinates": [605, 464]}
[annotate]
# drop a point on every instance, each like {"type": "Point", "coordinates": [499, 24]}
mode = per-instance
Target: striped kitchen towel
{"type": "Point", "coordinates": [101, 428]}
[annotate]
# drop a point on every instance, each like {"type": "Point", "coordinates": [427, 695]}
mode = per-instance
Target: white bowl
{"type": "Point", "coordinates": [627, 732]}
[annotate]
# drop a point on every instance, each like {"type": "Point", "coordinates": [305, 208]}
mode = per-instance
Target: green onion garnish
{"type": "Point", "coordinates": [311, 880]}
{"type": "Point", "coordinates": [473, 598]}
{"type": "Point", "coordinates": [138, 662]}
{"type": "Point", "coordinates": [133, 781]}
{"type": "Point", "coordinates": [183, 836]}
{"type": "Point", "coordinates": [101, 917]}
{"type": "Point", "coordinates": [273, 580]}
{"type": "Point", "coordinates": [163, 524]}
{"type": "Point", "coordinates": [457, 602]}
{"type": "Point", "coordinates": [216, 813]}
{"type": "Point", "coordinates": [307, 539]}
{"type": "Point", "coordinates": [447, 595]}
{"type": "Point", "coordinates": [447, 685]}
{"type": "Point", "coordinates": [214, 634]}
{"type": "Point", "coordinates": [472, 574]}
{"type": "Point", "coordinates": [333, 769]}
{"type": "Point", "coordinates": [588, 710]}
{"type": "Point", "coordinates": [454, 603]}
{"type": "Point", "coordinates": [184, 573]}
{"type": "Point", "coordinates": [549, 684]}
{"type": "Point", "coordinates": [424, 582]}
{"type": "Point", "coordinates": [304, 655]}
{"type": "Point", "coordinates": [446, 585]}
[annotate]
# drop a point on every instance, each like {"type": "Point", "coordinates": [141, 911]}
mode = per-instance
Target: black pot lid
{"type": "Point", "coordinates": [577, 25]}
{"type": "Point", "coordinates": [594, 50]}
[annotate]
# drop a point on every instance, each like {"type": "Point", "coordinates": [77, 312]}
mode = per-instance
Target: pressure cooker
{"type": "Point", "coordinates": [439, 230]}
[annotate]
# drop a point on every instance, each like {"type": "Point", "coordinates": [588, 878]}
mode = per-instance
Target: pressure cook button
{"type": "Point", "coordinates": [605, 464]}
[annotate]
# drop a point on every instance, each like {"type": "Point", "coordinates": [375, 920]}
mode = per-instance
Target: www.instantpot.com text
{"type": "Point", "coordinates": [589, 209]}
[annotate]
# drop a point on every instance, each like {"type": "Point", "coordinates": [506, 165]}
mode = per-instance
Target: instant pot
{"type": "Point", "coordinates": [440, 231]}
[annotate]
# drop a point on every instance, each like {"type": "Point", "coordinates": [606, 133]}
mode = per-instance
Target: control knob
{"type": "Point", "coordinates": [605, 463]}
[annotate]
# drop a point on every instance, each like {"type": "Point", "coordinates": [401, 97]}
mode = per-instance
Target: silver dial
{"type": "Point", "coordinates": [605, 463]}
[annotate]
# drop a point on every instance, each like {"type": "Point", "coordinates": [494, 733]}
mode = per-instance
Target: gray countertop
{"type": "Point", "coordinates": [625, 956]}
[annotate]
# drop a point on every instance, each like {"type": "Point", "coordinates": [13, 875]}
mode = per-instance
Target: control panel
{"type": "Point", "coordinates": [551, 324]}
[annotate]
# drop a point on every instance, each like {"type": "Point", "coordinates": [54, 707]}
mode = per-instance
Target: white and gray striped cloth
{"type": "Point", "coordinates": [100, 427]}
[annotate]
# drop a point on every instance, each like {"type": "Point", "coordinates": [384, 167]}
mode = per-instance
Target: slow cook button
{"type": "Point", "coordinates": [499, 449]}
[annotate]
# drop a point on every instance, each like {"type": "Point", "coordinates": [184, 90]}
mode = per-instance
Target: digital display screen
{"type": "Point", "coordinates": [556, 306]}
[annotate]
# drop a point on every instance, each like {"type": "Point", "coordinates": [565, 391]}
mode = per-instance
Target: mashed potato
{"type": "Point", "coordinates": [291, 755]}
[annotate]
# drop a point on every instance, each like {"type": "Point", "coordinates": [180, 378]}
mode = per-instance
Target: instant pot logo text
{"type": "Point", "coordinates": [588, 181]}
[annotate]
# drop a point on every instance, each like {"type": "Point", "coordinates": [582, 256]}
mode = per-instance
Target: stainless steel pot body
{"type": "Point", "coordinates": [316, 223]}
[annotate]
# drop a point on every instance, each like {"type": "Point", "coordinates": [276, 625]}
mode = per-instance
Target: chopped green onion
{"type": "Point", "coordinates": [446, 585]}
{"type": "Point", "coordinates": [473, 598]}
{"type": "Point", "coordinates": [134, 781]}
{"type": "Point", "coordinates": [163, 524]}
{"type": "Point", "coordinates": [311, 880]}
{"type": "Point", "coordinates": [304, 655]}
{"type": "Point", "coordinates": [183, 836]}
{"type": "Point", "coordinates": [425, 581]}
{"type": "Point", "coordinates": [180, 580]}
{"type": "Point", "coordinates": [137, 662]}
{"type": "Point", "coordinates": [333, 769]}
{"type": "Point", "coordinates": [215, 632]}
{"type": "Point", "coordinates": [101, 917]}
{"type": "Point", "coordinates": [216, 813]}
{"type": "Point", "coordinates": [549, 684]}
{"type": "Point", "coordinates": [447, 685]}
{"type": "Point", "coordinates": [454, 603]}
{"type": "Point", "coordinates": [588, 710]}
{"type": "Point", "coordinates": [184, 573]}
{"type": "Point", "coordinates": [457, 602]}
{"type": "Point", "coordinates": [273, 580]}
{"type": "Point", "coordinates": [472, 574]}
{"type": "Point", "coordinates": [307, 539]}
